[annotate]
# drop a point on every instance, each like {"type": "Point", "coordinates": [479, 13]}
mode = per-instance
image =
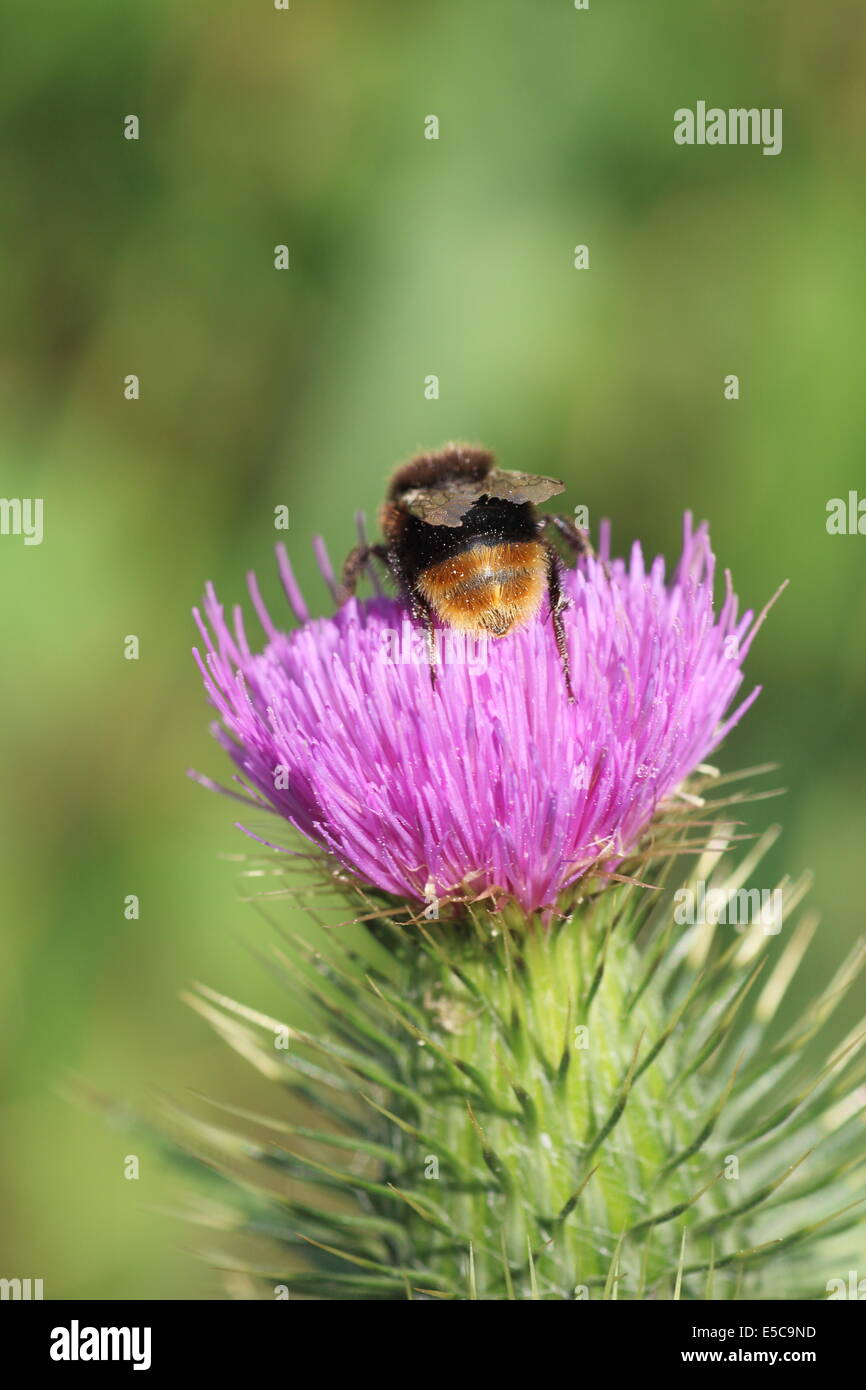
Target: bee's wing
{"type": "Point", "coordinates": [447, 503]}
{"type": "Point", "coordinates": [521, 487]}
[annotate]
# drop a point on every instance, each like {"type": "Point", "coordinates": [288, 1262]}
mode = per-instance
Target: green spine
{"type": "Point", "coordinates": [596, 1106]}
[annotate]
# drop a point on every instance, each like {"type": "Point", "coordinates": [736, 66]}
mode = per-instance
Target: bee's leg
{"type": "Point", "coordinates": [557, 603]}
{"type": "Point", "coordinates": [423, 613]}
{"type": "Point", "coordinates": [364, 544]}
{"type": "Point", "coordinates": [577, 540]}
{"type": "Point", "coordinates": [356, 562]}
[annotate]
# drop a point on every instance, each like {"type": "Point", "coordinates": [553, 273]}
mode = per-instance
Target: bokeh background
{"type": "Point", "coordinates": [409, 257]}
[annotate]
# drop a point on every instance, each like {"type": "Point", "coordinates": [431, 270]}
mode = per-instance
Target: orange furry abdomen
{"type": "Point", "coordinates": [490, 589]}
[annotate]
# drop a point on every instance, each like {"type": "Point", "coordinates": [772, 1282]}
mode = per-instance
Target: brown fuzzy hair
{"type": "Point", "coordinates": [454, 461]}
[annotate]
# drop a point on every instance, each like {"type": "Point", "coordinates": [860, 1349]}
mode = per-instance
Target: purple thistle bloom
{"type": "Point", "coordinates": [491, 782]}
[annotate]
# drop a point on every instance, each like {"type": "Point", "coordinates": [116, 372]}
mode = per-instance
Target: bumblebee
{"type": "Point", "coordinates": [466, 546]}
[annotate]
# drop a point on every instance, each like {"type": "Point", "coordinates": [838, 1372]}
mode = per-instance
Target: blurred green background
{"type": "Point", "coordinates": [409, 257]}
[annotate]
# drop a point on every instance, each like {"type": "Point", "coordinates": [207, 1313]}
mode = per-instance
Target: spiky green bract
{"type": "Point", "coordinates": [597, 1107]}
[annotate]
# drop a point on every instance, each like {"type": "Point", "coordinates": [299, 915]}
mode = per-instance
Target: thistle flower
{"type": "Point", "coordinates": [491, 783]}
{"type": "Point", "coordinates": [557, 1090]}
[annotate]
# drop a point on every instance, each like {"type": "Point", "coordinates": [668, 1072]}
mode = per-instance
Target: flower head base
{"type": "Point", "coordinates": [490, 782]}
